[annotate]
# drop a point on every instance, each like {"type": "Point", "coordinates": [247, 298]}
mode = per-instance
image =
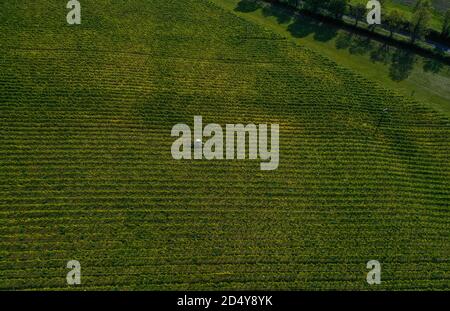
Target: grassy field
{"type": "Point", "coordinates": [87, 174]}
{"type": "Point", "coordinates": [439, 5]}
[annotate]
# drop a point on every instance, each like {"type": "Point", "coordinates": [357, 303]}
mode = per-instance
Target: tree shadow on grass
{"type": "Point", "coordinates": [382, 54]}
{"type": "Point", "coordinates": [401, 62]}
{"type": "Point", "coordinates": [432, 65]}
{"type": "Point", "coordinates": [300, 29]}
{"type": "Point", "coordinates": [344, 40]}
{"type": "Point", "coordinates": [402, 65]}
{"type": "Point", "coordinates": [282, 17]}
{"type": "Point", "coordinates": [247, 6]}
{"type": "Point", "coordinates": [325, 33]}
{"type": "Point", "coordinates": [304, 26]}
{"type": "Point", "coordinates": [361, 45]}
{"type": "Point", "coordinates": [300, 26]}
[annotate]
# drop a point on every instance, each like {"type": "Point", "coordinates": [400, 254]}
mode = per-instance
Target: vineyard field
{"type": "Point", "coordinates": [86, 171]}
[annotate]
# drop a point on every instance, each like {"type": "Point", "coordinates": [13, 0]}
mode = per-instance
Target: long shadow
{"type": "Point", "coordinates": [432, 65]}
{"type": "Point", "coordinates": [344, 40]}
{"type": "Point", "coordinates": [402, 65]}
{"type": "Point", "coordinates": [325, 33]}
{"type": "Point", "coordinates": [247, 6]}
{"type": "Point", "coordinates": [356, 44]}
{"type": "Point", "coordinates": [300, 25]}
{"type": "Point", "coordinates": [401, 62]}
{"type": "Point", "coordinates": [361, 45]}
{"type": "Point", "coordinates": [304, 26]}
{"type": "Point", "coordinates": [382, 54]}
{"type": "Point", "coordinates": [282, 17]}
{"type": "Point", "coordinates": [300, 29]}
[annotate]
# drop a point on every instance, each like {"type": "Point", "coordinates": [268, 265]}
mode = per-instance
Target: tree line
{"type": "Point", "coordinates": [395, 21]}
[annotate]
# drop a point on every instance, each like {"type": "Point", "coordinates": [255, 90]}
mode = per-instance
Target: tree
{"type": "Point", "coordinates": [446, 25]}
{"type": "Point", "coordinates": [422, 3]}
{"type": "Point", "coordinates": [358, 11]}
{"type": "Point", "coordinates": [420, 19]}
{"type": "Point", "coordinates": [314, 5]}
{"type": "Point", "coordinates": [338, 8]}
{"type": "Point", "coordinates": [293, 3]}
{"type": "Point", "coordinates": [394, 20]}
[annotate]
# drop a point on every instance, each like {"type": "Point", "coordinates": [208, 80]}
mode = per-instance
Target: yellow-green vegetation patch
{"type": "Point", "coordinates": [87, 174]}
